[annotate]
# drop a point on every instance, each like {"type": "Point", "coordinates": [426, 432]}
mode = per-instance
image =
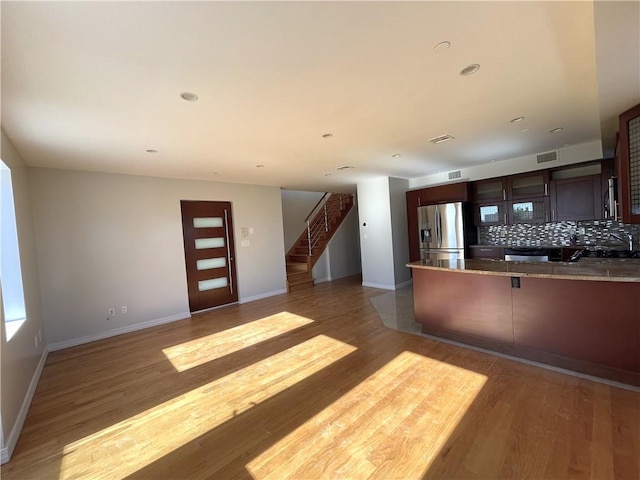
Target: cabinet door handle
{"type": "Point", "coordinates": [504, 194]}
{"type": "Point", "coordinates": [546, 189]}
{"type": "Point", "coordinates": [553, 215]}
{"type": "Point", "coordinates": [505, 218]}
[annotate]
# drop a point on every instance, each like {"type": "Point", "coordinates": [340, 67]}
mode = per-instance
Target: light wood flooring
{"type": "Point", "coordinates": [312, 385]}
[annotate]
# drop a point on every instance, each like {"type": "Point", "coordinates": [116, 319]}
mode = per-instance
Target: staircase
{"type": "Point", "coordinates": [322, 223]}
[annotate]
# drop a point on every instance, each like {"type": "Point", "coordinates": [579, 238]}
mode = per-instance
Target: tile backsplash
{"type": "Point", "coordinates": [589, 232]}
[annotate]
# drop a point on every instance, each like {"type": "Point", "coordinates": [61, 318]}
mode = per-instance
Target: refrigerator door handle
{"type": "Point", "coordinates": [438, 227]}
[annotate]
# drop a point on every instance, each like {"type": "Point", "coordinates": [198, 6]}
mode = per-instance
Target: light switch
{"type": "Point", "coordinates": [245, 243]}
{"type": "Point", "coordinates": [244, 232]}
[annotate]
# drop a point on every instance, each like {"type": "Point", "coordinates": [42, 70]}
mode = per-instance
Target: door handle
{"type": "Point", "coordinates": [229, 258]}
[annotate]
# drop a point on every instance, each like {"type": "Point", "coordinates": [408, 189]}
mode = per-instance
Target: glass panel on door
{"type": "Point", "coordinates": [216, 242]}
{"type": "Point", "coordinates": [212, 284]}
{"type": "Point", "coordinates": [209, 263]}
{"type": "Point", "coordinates": [207, 222]}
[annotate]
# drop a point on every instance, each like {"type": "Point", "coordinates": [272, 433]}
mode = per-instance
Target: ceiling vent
{"type": "Point", "coordinates": [455, 174]}
{"type": "Point", "coordinates": [441, 138]}
{"type": "Point", "coordinates": [547, 157]}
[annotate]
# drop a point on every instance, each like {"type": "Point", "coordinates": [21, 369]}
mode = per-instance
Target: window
{"type": "Point", "coordinates": [10, 271]}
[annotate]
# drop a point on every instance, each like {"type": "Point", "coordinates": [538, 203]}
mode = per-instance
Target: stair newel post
{"type": "Point", "coordinates": [309, 236]}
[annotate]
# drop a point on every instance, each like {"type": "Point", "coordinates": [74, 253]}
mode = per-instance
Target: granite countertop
{"type": "Point", "coordinates": [595, 269]}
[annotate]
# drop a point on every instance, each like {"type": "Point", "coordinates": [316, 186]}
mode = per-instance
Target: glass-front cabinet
{"type": "Point", "coordinates": [494, 189]}
{"type": "Point", "coordinates": [490, 213]}
{"type": "Point", "coordinates": [528, 185]}
{"type": "Point", "coordinates": [534, 210]}
{"type": "Point", "coordinates": [628, 165]}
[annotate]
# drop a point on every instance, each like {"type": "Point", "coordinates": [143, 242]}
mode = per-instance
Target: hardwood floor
{"type": "Point", "coordinates": [312, 385]}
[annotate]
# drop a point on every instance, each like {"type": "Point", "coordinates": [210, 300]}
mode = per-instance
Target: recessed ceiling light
{"type": "Point", "coordinates": [188, 96]}
{"type": "Point", "coordinates": [525, 130]}
{"type": "Point", "coordinates": [260, 166]}
{"type": "Point", "coordinates": [516, 120]}
{"type": "Point", "coordinates": [345, 167]}
{"type": "Point", "coordinates": [327, 174]}
{"type": "Point", "coordinates": [152, 151]}
{"type": "Point", "coordinates": [555, 130]}
{"type": "Point", "coordinates": [470, 70]}
{"type": "Point", "coordinates": [395, 155]}
{"type": "Point", "coordinates": [442, 46]}
{"type": "Point", "coordinates": [441, 139]}
{"type": "Point", "coordinates": [327, 135]}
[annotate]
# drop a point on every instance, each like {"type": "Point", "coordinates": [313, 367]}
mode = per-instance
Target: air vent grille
{"type": "Point", "coordinates": [344, 167]}
{"type": "Point", "coordinates": [441, 138]}
{"type": "Point", "coordinates": [455, 174]}
{"type": "Point", "coordinates": [547, 157]}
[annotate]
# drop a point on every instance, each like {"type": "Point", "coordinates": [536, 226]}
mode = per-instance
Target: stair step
{"type": "Point", "coordinates": [297, 267]}
{"type": "Point", "coordinates": [298, 276]}
{"type": "Point", "coordinates": [294, 287]}
{"type": "Point", "coordinates": [298, 258]}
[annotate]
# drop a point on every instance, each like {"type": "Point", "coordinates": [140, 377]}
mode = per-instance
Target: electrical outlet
{"type": "Point", "coordinates": [123, 309]}
{"type": "Point", "coordinates": [112, 312]}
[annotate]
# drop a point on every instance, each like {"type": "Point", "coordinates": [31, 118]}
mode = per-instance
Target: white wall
{"type": "Point", "coordinates": [400, 235]}
{"type": "Point", "coordinates": [21, 360]}
{"type": "Point", "coordinates": [108, 240]}
{"type": "Point", "coordinates": [566, 156]}
{"type": "Point", "coordinates": [343, 251]}
{"type": "Point", "coordinates": [376, 239]}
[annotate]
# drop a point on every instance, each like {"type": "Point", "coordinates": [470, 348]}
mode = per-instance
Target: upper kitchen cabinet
{"type": "Point", "coordinates": [491, 190]}
{"type": "Point", "coordinates": [528, 185]}
{"type": "Point", "coordinates": [628, 165]}
{"type": "Point", "coordinates": [577, 198]}
{"type": "Point", "coordinates": [530, 210]}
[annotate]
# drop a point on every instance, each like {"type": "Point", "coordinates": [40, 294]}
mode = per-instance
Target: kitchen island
{"type": "Point", "coordinates": [583, 316]}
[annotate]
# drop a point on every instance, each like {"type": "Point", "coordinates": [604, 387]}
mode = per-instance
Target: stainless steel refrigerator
{"type": "Point", "coordinates": [441, 230]}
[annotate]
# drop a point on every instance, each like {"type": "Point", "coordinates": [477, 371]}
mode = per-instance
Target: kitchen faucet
{"type": "Point", "coordinates": [628, 240]}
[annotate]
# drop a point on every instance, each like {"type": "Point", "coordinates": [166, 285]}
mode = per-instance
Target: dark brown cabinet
{"type": "Point", "coordinates": [491, 190]}
{"type": "Point", "coordinates": [531, 210]}
{"type": "Point", "coordinates": [556, 321]}
{"type": "Point", "coordinates": [628, 165]}
{"type": "Point", "coordinates": [528, 185]}
{"type": "Point", "coordinates": [577, 198]}
{"type": "Point", "coordinates": [489, 213]}
{"type": "Point", "coordinates": [480, 252]}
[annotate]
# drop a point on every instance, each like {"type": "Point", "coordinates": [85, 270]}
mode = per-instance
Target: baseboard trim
{"type": "Point", "coordinates": [321, 280]}
{"type": "Point", "coordinates": [74, 342]}
{"type": "Point", "coordinates": [404, 284]}
{"type": "Point", "coordinates": [262, 295]}
{"type": "Point", "coordinates": [383, 286]}
{"type": "Point", "coordinates": [12, 439]}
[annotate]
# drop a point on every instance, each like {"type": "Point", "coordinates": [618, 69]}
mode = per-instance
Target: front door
{"type": "Point", "coordinates": [209, 254]}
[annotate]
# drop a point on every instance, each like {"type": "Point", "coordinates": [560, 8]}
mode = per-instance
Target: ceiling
{"type": "Point", "coordinates": [95, 85]}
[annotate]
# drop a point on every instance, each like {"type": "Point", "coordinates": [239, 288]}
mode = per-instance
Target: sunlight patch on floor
{"type": "Point", "coordinates": [127, 446]}
{"type": "Point", "coordinates": [206, 349]}
{"type": "Point", "coordinates": [388, 426]}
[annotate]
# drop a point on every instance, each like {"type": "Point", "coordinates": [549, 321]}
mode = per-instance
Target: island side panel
{"type": "Point", "coordinates": [462, 304]}
{"type": "Point", "coordinates": [596, 322]}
